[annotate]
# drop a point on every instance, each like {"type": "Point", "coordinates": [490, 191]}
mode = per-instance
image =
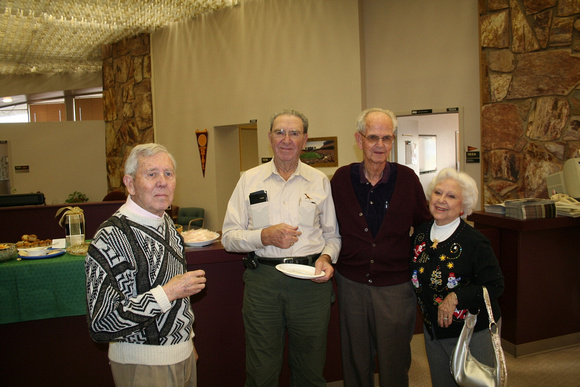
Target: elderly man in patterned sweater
{"type": "Point", "coordinates": [138, 286]}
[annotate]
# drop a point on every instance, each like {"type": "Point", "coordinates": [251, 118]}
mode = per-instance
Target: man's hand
{"type": "Point", "coordinates": [185, 285]}
{"type": "Point", "coordinates": [323, 264]}
{"type": "Point", "coordinates": [280, 235]}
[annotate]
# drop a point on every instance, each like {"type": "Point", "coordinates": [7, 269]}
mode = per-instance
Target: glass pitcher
{"type": "Point", "coordinates": [74, 227]}
{"type": "Point", "coordinates": [72, 219]}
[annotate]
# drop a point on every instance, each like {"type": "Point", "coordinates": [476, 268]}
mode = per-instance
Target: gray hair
{"type": "Point", "coordinates": [144, 150]}
{"type": "Point", "coordinates": [361, 121]}
{"type": "Point", "coordinates": [466, 183]}
{"type": "Point", "coordinates": [290, 112]}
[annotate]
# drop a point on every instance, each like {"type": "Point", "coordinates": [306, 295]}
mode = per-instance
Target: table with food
{"type": "Point", "coordinates": [38, 281]}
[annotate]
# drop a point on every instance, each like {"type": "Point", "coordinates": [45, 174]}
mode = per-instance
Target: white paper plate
{"type": "Point", "coordinates": [46, 253]}
{"type": "Point", "coordinates": [298, 271]}
{"type": "Point", "coordinates": [203, 243]}
{"type": "Point", "coordinates": [34, 251]}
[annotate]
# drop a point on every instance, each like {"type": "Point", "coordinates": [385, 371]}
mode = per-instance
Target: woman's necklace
{"type": "Point", "coordinates": [442, 233]}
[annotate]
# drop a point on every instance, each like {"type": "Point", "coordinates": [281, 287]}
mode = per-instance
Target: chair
{"type": "Point", "coordinates": [193, 217]}
{"type": "Point", "coordinates": [114, 196]}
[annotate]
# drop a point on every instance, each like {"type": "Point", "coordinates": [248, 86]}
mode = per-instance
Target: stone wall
{"type": "Point", "coordinates": [127, 102]}
{"type": "Point", "coordinates": [530, 118]}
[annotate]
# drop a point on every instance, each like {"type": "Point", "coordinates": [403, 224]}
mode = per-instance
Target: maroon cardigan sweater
{"type": "Point", "coordinates": [384, 260]}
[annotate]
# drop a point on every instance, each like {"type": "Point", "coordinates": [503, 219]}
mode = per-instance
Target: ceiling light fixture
{"type": "Point", "coordinates": [55, 36]}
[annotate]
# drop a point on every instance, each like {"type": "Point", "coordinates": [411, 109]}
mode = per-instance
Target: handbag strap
{"type": "Point", "coordinates": [488, 307]}
{"type": "Point", "coordinates": [496, 341]}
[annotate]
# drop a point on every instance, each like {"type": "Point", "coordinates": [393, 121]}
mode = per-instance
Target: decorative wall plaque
{"type": "Point", "coordinates": [202, 139]}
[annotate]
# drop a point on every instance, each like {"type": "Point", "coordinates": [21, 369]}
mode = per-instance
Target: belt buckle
{"type": "Point", "coordinates": [288, 260]}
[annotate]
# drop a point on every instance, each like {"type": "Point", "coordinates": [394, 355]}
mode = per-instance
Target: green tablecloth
{"type": "Point", "coordinates": [38, 289]}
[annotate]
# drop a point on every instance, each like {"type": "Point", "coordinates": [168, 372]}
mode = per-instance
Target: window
{"type": "Point", "coordinates": [72, 105]}
{"type": "Point", "coordinates": [14, 113]}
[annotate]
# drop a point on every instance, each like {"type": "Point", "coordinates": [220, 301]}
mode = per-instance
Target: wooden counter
{"type": "Point", "coordinates": [61, 353]}
{"type": "Point", "coordinates": [540, 262]}
{"type": "Point", "coordinates": [40, 220]}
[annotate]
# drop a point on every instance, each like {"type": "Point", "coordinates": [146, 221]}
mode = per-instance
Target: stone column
{"type": "Point", "coordinates": [127, 101]}
{"type": "Point", "coordinates": [530, 117]}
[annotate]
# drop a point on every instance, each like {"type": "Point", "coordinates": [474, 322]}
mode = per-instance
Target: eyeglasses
{"type": "Point", "coordinates": [375, 139]}
{"type": "Point", "coordinates": [281, 133]}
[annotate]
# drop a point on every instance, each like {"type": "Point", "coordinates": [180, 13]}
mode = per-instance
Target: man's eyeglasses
{"type": "Point", "coordinates": [374, 139]}
{"type": "Point", "coordinates": [281, 133]}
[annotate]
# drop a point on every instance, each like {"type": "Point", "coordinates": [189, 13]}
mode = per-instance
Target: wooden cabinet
{"type": "Point", "coordinates": [86, 109]}
{"type": "Point", "coordinates": [47, 112]}
{"type": "Point", "coordinates": [89, 109]}
{"type": "Point", "coordinates": [539, 260]}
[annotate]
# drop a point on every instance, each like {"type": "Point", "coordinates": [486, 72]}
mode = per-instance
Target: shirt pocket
{"type": "Point", "coordinates": [307, 212]}
{"type": "Point", "coordinates": [260, 213]}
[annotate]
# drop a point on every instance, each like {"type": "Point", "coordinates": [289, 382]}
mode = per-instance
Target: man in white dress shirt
{"type": "Point", "coordinates": [282, 212]}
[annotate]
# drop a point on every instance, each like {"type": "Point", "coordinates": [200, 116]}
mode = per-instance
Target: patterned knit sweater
{"type": "Point", "coordinates": [128, 261]}
{"type": "Point", "coordinates": [461, 264]}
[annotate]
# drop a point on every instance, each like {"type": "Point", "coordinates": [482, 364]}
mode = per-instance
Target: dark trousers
{"type": "Point", "coordinates": [376, 325]}
{"type": "Point", "coordinates": [274, 303]}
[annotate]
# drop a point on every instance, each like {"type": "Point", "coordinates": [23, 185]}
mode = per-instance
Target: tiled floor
{"type": "Point", "coordinates": [555, 368]}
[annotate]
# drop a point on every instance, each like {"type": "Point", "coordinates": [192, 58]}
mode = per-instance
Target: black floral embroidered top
{"type": "Point", "coordinates": [461, 264]}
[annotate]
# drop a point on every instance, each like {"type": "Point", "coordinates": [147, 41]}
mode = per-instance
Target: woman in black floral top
{"type": "Point", "coordinates": [450, 263]}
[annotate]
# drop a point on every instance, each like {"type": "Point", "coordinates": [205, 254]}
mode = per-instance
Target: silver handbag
{"type": "Point", "coordinates": [467, 370]}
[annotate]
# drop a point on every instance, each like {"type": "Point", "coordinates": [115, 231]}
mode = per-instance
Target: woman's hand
{"type": "Point", "coordinates": [446, 309]}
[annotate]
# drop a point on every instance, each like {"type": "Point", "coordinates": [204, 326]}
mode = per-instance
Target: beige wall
{"type": "Point", "coordinates": [63, 157]}
{"type": "Point", "coordinates": [246, 63]}
{"type": "Point", "coordinates": [425, 55]}
{"type": "Point", "coordinates": [41, 83]}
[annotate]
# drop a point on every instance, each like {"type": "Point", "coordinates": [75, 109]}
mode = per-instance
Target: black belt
{"type": "Point", "coordinates": [306, 260]}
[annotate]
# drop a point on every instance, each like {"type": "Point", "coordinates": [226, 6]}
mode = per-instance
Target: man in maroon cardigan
{"type": "Point", "coordinates": [377, 204]}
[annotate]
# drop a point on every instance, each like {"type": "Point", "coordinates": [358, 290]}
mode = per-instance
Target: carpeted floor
{"type": "Point", "coordinates": [555, 368]}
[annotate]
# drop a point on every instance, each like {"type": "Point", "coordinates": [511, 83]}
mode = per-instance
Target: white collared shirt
{"type": "Point", "coordinates": [134, 207]}
{"type": "Point", "coordinates": [305, 200]}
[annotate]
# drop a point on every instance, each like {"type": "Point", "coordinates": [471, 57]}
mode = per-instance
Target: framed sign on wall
{"type": "Point", "coordinates": [320, 152]}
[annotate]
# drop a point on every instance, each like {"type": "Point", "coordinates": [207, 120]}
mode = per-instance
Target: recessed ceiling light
{"type": "Point", "coordinates": [7, 99]}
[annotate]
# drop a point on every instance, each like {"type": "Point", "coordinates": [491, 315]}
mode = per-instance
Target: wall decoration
{"type": "Point", "coordinates": [202, 140]}
{"type": "Point", "coordinates": [320, 152]}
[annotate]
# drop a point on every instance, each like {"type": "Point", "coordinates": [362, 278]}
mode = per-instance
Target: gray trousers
{"type": "Point", "coordinates": [376, 325]}
{"type": "Point", "coordinates": [273, 304]}
{"type": "Point", "coordinates": [439, 355]}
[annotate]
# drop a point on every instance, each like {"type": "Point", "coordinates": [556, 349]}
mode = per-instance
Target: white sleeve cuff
{"type": "Point", "coordinates": [254, 237]}
{"type": "Point", "coordinates": [161, 298]}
